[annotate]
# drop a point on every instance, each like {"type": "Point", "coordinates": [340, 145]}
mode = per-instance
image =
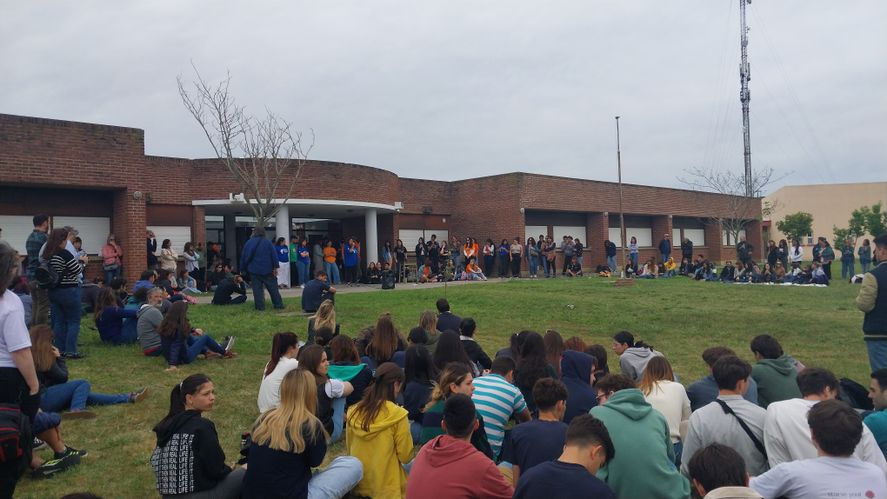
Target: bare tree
{"type": "Point", "coordinates": [738, 210]}
{"type": "Point", "coordinates": [264, 155]}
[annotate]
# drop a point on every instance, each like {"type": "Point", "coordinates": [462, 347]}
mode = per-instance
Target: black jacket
{"type": "Point", "coordinates": [225, 289]}
{"type": "Point", "coordinates": [188, 435]}
{"type": "Point", "coordinates": [477, 354]}
{"type": "Point", "coordinates": [56, 375]}
{"type": "Point", "coordinates": [687, 249]}
{"type": "Point", "coordinates": [449, 321]}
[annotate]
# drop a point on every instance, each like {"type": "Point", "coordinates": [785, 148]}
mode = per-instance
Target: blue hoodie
{"type": "Point", "coordinates": [576, 374]}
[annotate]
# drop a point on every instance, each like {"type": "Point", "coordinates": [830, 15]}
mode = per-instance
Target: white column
{"type": "Point", "coordinates": [284, 224]}
{"type": "Point", "coordinates": [372, 234]}
{"type": "Point", "coordinates": [230, 242]}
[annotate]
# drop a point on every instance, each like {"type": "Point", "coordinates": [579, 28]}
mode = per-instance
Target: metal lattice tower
{"type": "Point", "coordinates": [745, 97]}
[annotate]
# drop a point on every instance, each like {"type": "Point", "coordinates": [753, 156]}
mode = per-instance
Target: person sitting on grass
{"type": "Point", "coordinates": [836, 430]}
{"type": "Point", "coordinates": [228, 287]}
{"type": "Point", "coordinates": [774, 372]}
{"type": "Point", "coordinates": [633, 356]}
{"type": "Point", "coordinates": [449, 466]}
{"type": "Point", "coordinates": [728, 273]}
{"type": "Point", "coordinates": [577, 373]}
{"type": "Point", "coordinates": [472, 348]}
{"type": "Point", "coordinates": [378, 434]}
{"type": "Point", "coordinates": [670, 267]}
{"type": "Point", "coordinates": [59, 393]}
{"type": "Point", "coordinates": [497, 400]}
{"type": "Point", "coordinates": [384, 344]}
{"type": "Point", "coordinates": [650, 270]}
{"type": "Point", "coordinates": [454, 378]}
{"type": "Point", "coordinates": [574, 268]}
{"type": "Point", "coordinates": [668, 397]}
{"type": "Point", "coordinates": [109, 317]}
{"type": "Point", "coordinates": [186, 283]}
{"type": "Point", "coordinates": [331, 393]}
{"type": "Point", "coordinates": [185, 432]}
{"type": "Point", "coordinates": [288, 441]}
{"type": "Point", "coordinates": [717, 471]}
{"type": "Point", "coordinates": [325, 316]}
{"type": "Point", "coordinates": [877, 421]}
{"type": "Point", "coordinates": [818, 275]}
{"type": "Point", "coordinates": [587, 447]}
{"type": "Point", "coordinates": [150, 318]}
{"type": "Point", "coordinates": [182, 344]}
{"type": "Point", "coordinates": [705, 391]}
{"type": "Point", "coordinates": [644, 462]}
{"type": "Point", "coordinates": [47, 428]}
{"type": "Point", "coordinates": [284, 351]}
{"type": "Point", "coordinates": [346, 366]}
{"type": "Point", "coordinates": [146, 280]}
{"type": "Point", "coordinates": [420, 375]}
{"type": "Point", "coordinates": [316, 292]}
{"type": "Point", "coordinates": [541, 439]}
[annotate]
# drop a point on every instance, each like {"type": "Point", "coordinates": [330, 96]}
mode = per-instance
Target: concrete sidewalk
{"type": "Point", "coordinates": [342, 289]}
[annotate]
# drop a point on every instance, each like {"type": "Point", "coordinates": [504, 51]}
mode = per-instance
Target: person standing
{"type": "Point", "coordinates": [260, 260]}
{"type": "Point", "coordinates": [516, 256]}
{"type": "Point", "coordinates": [665, 247]}
{"type": "Point", "coordinates": [111, 259]}
{"type": "Point", "coordinates": [64, 298]}
{"type": "Point", "coordinates": [295, 277]}
{"type": "Point", "coordinates": [827, 254]}
{"type": "Point", "coordinates": [532, 257]}
{"type": "Point", "coordinates": [317, 257]}
{"type": "Point", "coordinates": [568, 251]}
{"type": "Point", "coordinates": [421, 252]}
{"type": "Point", "coordinates": [400, 259]}
{"type": "Point", "coordinates": [39, 296]}
{"type": "Point", "coordinates": [489, 257]}
{"type": "Point", "coordinates": [350, 257]}
{"type": "Point", "coordinates": [329, 262]}
{"type": "Point", "coordinates": [151, 240]}
{"type": "Point", "coordinates": [687, 249]}
{"type": "Point", "coordinates": [782, 251]}
{"type": "Point", "coordinates": [283, 262]}
{"type": "Point", "coordinates": [168, 258]}
{"type": "Point", "coordinates": [18, 378]}
{"type": "Point", "coordinates": [633, 252]}
{"type": "Point", "coordinates": [192, 264]}
{"type": "Point", "coordinates": [865, 255]}
{"type": "Point", "coordinates": [872, 299]}
{"type": "Point", "coordinates": [796, 253]}
{"type": "Point", "coordinates": [303, 262]}
{"type": "Point", "coordinates": [848, 265]}
{"type": "Point", "coordinates": [744, 251]}
{"type": "Point", "coordinates": [610, 249]}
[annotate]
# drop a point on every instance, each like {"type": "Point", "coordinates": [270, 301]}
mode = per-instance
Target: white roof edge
{"type": "Point", "coordinates": [298, 202]}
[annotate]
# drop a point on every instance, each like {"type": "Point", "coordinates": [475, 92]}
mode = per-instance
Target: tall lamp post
{"type": "Point", "coordinates": [621, 212]}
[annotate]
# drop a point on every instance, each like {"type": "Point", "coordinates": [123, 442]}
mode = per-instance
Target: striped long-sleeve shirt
{"type": "Point", "coordinates": [67, 267]}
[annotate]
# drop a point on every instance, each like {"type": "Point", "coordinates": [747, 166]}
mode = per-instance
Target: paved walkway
{"type": "Point", "coordinates": [342, 289]}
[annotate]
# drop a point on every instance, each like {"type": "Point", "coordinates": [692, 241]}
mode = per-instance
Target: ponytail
{"type": "Point", "coordinates": [279, 345]}
{"type": "Point", "coordinates": [188, 386]}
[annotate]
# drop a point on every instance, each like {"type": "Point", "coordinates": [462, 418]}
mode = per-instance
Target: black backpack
{"type": "Point", "coordinates": [388, 279]}
{"type": "Point", "coordinates": [854, 394]}
{"type": "Point", "coordinates": [46, 276]}
{"type": "Point", "coordinates": [16, 439]}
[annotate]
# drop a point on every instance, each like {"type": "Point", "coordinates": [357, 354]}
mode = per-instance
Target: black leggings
{"type": "Point", "coordinates": [515, 265]}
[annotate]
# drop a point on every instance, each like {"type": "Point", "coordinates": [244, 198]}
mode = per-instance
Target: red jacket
{"type": "Point", "coordinates": [454, 469]}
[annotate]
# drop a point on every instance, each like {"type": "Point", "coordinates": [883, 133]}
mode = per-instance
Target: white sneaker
{"type": "Point", "coordinates": [302, 286]}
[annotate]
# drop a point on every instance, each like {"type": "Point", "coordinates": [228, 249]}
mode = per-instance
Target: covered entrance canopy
{"type": "Point", "coordinates": [304, 209]}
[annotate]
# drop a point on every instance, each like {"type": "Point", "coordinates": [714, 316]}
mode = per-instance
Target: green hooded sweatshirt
{"type": "Point", "coordinates": [643, 464]}
{"type": "Point", "coordinates": [777, 380]}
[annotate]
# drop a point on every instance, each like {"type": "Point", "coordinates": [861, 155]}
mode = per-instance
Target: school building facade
{"type": "Point", "coordinates": [98, 179]}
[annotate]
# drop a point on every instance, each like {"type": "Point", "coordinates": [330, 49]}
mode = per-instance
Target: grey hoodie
{"type": "Point", "coordinates": [150, 318]}
{"type": "Point", "coordinates": [634, 360]}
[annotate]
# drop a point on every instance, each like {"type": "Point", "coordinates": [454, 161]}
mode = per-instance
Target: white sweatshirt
{"type": "Point", "coordinates": [671, 400]}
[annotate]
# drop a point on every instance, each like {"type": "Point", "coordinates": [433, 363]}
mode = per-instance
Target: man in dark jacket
{"type": "Point", "coordinates": [687, 249]}
{"type": "Point", "coordinates": [744, 251]}
{"type": "Point", "coordinates": [665, 247]}
{"type": "Point", "coordinates": [260, 260]}
{"type": "Point", "coordinates": [872, 300]}
{"type": "Point", "coordinates": [446, 320]}
{"type": "Point", "coordinates": [472, 348]}
{"type": "Point", "coordinates": [227, 287]}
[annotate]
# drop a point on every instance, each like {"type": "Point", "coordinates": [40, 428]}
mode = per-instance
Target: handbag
{"type": "Point", "coordinates": [108, 267]}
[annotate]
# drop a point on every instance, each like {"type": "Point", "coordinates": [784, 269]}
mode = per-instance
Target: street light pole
{"type": "Point", "coordinates": [621, 212]}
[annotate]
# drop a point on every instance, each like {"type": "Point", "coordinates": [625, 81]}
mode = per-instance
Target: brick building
{"type": "Point", "coordinates": [98, 179]}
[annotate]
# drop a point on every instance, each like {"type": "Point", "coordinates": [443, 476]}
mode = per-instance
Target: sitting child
{"type": "Point", "coordinates": [473, 272]}
{"type": "Point", "coordinates": [574, 269]}
{"type": "Point", "coordinates": [728, 273]}
{"type": "Point", "coordinates": [670, 267]}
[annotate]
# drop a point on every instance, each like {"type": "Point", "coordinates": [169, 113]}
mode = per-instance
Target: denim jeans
{"type": "Point", "coordinates": [198, 344]}
{"type": "Point", "coordinates": [76, 395]}
{"type": "Point", "coordinates": [111, 275]}
{"type": "Point", "coordinates": [262, 282]}
{"type": "Point", "coordinates": [634, 260]}
{"type": "Point", "coordinates": [534, 265]}
{"type": "Point", "coordinates": [665, 256]}
{"type": "Point", "coordinates": [342, 475]}
{"type": "Point", "coordinates": [416, 430]}
{"type": "Point", "coordinates": [332, 271]}
{"type": "Point", "coordinates": [611, 262]}
{"type": "Point", "coordinates": [338, 419]}
{"type": "Point", "coordinates": [865, 265]}
{"type": "Point", "coordinates": [65, 306]}
{"type": "Point", "coordinates": [848, 269]}
{"type": "Point", "coordinates": [302, 270]}
{"type": "Point", "coordinates": [877, 354]}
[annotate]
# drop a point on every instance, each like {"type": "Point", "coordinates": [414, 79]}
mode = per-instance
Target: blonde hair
{"type": "Point", "coordinates": [325, 316]}
{"type": "Point", "coordinates": [453, 374]}
{"type": "Point", "coordinates": [284, 427]}
{"type": "Point", "coordinates": [428, 321]}
{"type": "Point", "coordinates": [41, 347]}
{"type": "Point", "coordinates": [658, 369]}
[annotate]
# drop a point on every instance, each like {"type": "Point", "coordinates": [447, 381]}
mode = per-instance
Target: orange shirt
{"type": "Point", "coordinates": [329, 254]}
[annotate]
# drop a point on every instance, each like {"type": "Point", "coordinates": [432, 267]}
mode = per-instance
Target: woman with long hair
{"type": "Point", "coordinates": [58, 392]}
{"type": "Point", "coordinates": [489, 254]}
{"type": "Point", "coordinates": [303, 261]}
{"type": "Point", "coordinates": [64, 298]}
{"type": "Point", "coordinates": [181, 343]}
{"type": "Point", "coordinates": [324, 317]}
{"type": "Point", "coordinates": [599, 353]}
{"type": "Point", "coordinates": [450, 349]}
{"type": "Point", "coordinates": [192, 266]}
{"type": "Point", "coordinates": [454, 378]}
{"type": "Point", "coordinates": [384, 343]}
{"type": "Point", "coordinates": [288, 441]}
{"type": "Point", "coordinates": [515, 342]}
{"type": "Point", "coordinates": [284, 351]}
{"type": "Point", "coordinates": [420, 374]}
{"type": "Point", "coordinates": [185, 432]}
{"type": "Point", "coordinates": [378, 433]}
{"type": "Point", "coordinates": [783, 252]}
{"type": "Point", "coordinates": [111, 258]}
{"type": "Point", "coordinates": [428, 322]}
{"type": "Point", "coordinates": [169, 259]}
{"type": "Point", "coordinates": [532, 365]}
{"type": "Point", "coordinates": [346, 366]}
{"type": "Point", "coordinates": [503, 252]}
{"type": "Point", "coordinates": [331, 393]}
{"type": "Point", "coordinates": [109, 317]}
{"type": "Point", "coordinates": [668, 397]}
{"type": "Point", "coordinates": [554, 349]}
{"type": "Point", "coordinates": [865, 255]}
{"type": "Point", "coordinates": [400, 259]}
{"type": "Point", "coordinates": [575, 343]}
{"type": "Point", "coordinates": [633, 252]}
{"type": "Point", "coordinates": [515, 256]}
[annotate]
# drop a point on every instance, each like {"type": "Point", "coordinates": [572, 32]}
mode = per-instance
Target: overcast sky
{"type": "Point", "coordinates": [456, 89]}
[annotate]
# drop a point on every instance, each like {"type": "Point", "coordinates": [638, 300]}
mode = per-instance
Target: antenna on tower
{"type": "Point", "coordinates": [745, 97]}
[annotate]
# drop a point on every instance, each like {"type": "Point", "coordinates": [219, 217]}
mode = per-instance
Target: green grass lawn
{"type": "Point", "coordinates": [678, 316]}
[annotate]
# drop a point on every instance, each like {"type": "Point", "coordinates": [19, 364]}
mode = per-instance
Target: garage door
{"type": "Point", "coordinates": [178, 235]}
{"type": "Point", "coordinates": [410, 237]}
{"type": "Point", "coordinates": [93, 231]}
{"type": "Point", "coordinates": [16, 230]}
